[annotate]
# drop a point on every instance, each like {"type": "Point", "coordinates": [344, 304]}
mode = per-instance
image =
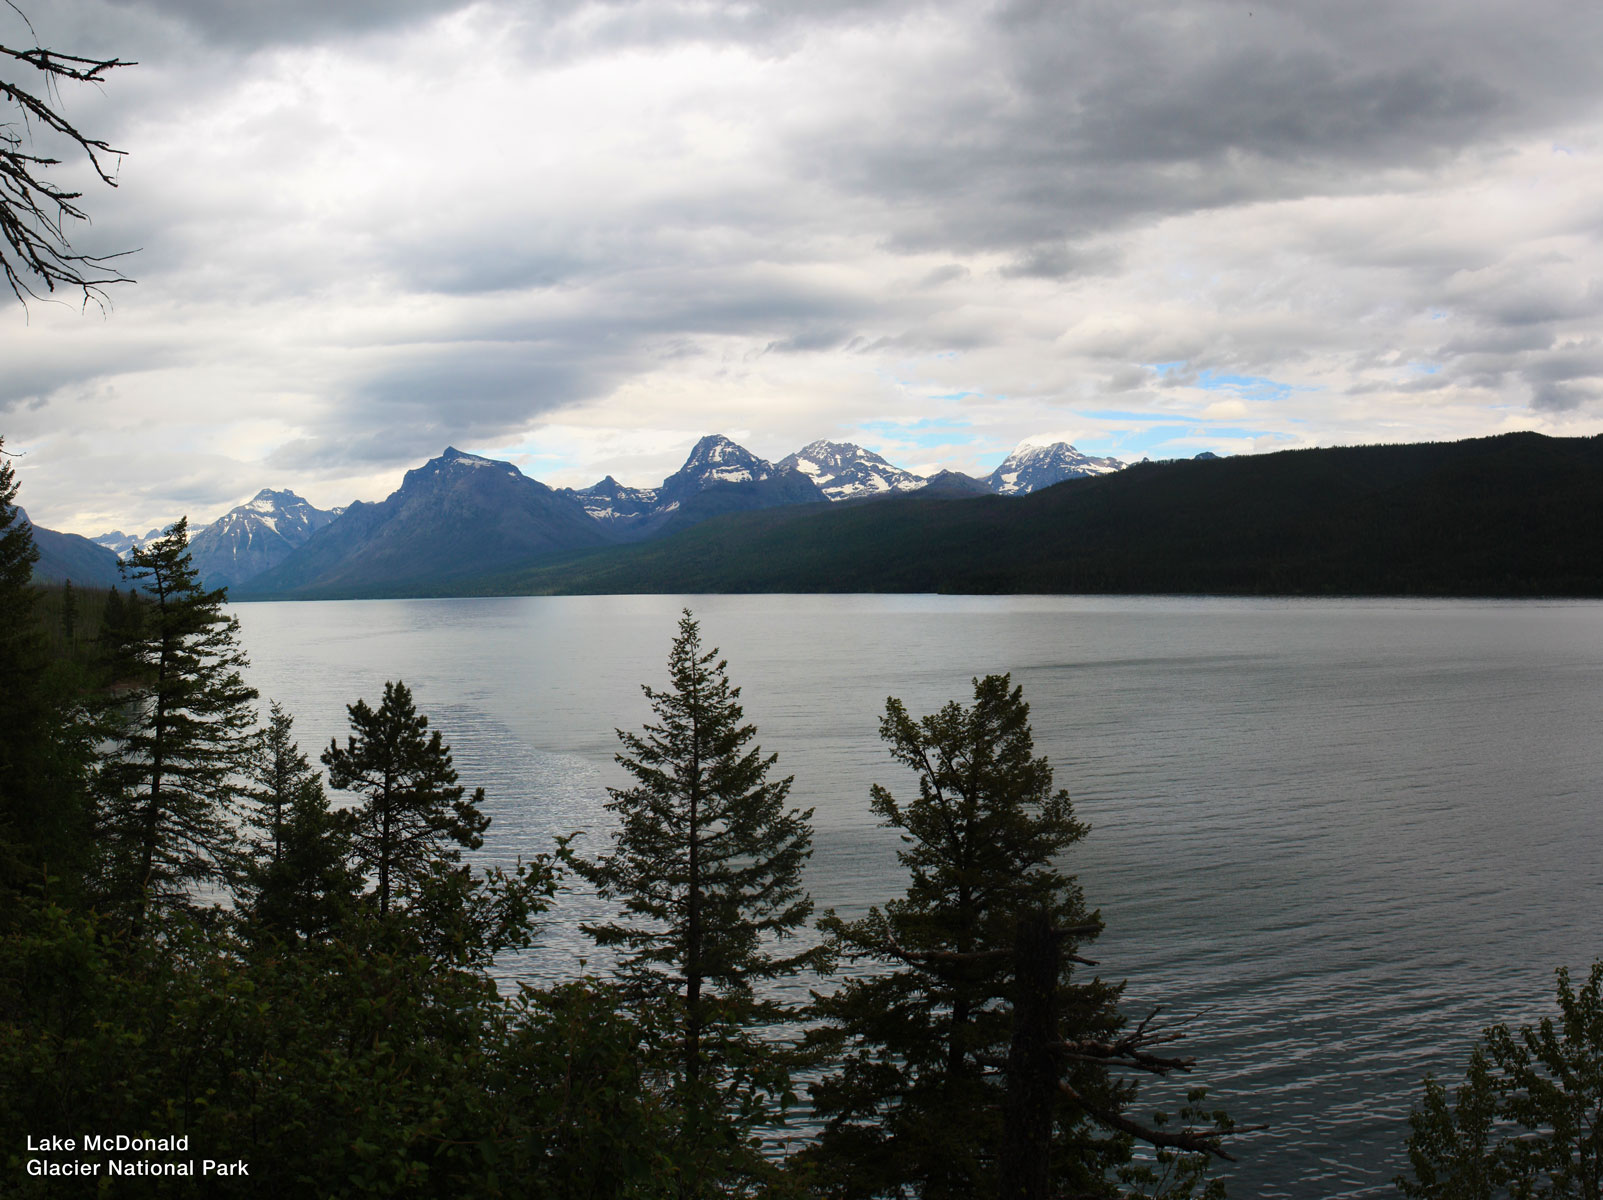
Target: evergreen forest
{"type": "Point", "coordinates": [277, 969]}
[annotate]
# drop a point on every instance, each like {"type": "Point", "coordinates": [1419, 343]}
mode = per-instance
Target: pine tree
{"type": "Point", "coordinates": [927, 1095]}
{"type": "Point", "coordinates": [46, 740]}
{"type": "Point", "coordinates": [172, 779]}
{"type": "Point", "coordinates": [414, 815]}
{"type": "Point", "coordinates": [297, 882]}
{"type": "Point", "coordinates": [706, 865]}
{"type": "Point", "coordinates": [69, 615]}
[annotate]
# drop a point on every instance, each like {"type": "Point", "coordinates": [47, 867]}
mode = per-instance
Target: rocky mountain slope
{"type": "Point", "coordinates": [254, 537]}
{"type": "Point", "coordinates": [718, 476]}
{"type": "Point", "coordinates": [64, 556]}
{"type": "Point", "coordinates": [845, 471]}
{"type": "Point", "coordinates": [456, 516]}
{"type": "Point", "coordinates": [1033, 467]}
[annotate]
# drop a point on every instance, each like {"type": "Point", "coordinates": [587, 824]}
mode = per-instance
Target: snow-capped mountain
{"type": "Point", "coordinates": [718, 476]}
{"type": "Point", "coordinates": [456, 516]}
{"type": "Point", "coordinates": [1033, 467]}
{"type": "Point", "coordinates": [259, 534]}
{"type": "Point", "coordinates": [120, 543]}
{"type": "Point", "coordinates": [610, 501]}
{"type": "Point", "coordinates": [843, 471]}
{"type": "Point", "coordinates": [713, 460]}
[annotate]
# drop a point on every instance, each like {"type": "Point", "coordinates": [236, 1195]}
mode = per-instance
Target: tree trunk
{"type": "Point", "coordinates": [1026, 1152]}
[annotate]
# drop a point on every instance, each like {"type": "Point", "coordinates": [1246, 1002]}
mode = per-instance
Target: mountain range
{"type": "Point", "coordinates": [1519, 514]}
{"type": "Point", "coordinates": [1514, 515]}
{"type": "Point", "coordinates": [461, 515]}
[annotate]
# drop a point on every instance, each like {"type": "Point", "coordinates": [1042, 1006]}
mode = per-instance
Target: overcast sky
{"type": "Point", "coordinates": [581, 235]}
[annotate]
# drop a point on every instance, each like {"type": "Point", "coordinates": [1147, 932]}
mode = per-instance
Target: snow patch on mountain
{"type": "Point", "coordinates": [1036, 464]}
{"type": "Point", "coordinates": [610, 501]}
{"type": "Point", "coordinates": [257, 535]}
{"type": "Point", "coordinates": [845, 471]}
{"type": "Point", "coordinates": [120, 543]}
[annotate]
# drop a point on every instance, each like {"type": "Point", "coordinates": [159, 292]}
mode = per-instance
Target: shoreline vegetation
{"type": "Point", "coordinates": [334, 1029]}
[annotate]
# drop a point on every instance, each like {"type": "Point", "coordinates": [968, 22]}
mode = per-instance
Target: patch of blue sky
{"type": "Point", "coordinates": [1229, 431]}
{"type": "Point", "coordinates": [1114, 414]}
{"type": "Point", "coordinates": [1139, 442]}
{"type": "Point", "coordinates": [535, 456]}
{"type": "Point", "coordinates": [1422, 368]}
{"type": "Point", "coordinates": [1249, 387]}
{"type": "Point", "coordinates": [1168, 368]}
{"type": "Point", "coordinates": [926, 431]}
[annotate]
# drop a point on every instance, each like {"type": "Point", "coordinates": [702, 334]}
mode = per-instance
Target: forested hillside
{"type": "Point", "coordinates": [1515, 515]}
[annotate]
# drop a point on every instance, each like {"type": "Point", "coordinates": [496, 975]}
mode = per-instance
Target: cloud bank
{"type": "Point", "coordinates": [580, 235]}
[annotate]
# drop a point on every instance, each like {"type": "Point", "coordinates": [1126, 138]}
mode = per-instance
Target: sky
{"type": "Point", "coordinates": [580, 235]}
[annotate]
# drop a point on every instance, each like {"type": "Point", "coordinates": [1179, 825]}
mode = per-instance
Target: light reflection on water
{"type": "Point", "coordinates": [1345, 834]}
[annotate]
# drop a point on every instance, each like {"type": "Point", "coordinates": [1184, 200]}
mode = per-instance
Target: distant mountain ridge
{"type": "Point", "coordinates": [120, 543]}
{"type": "Point", "coordinates": [455, 516]}
{"type": "Point", "coordinates": [460, 515]}
{"type": "Point", "coordinates": [70, 556]}
{"type": "Point", "coordinates": [717, 476]}
{"type": "Point", "coordinates": [1488, 517]}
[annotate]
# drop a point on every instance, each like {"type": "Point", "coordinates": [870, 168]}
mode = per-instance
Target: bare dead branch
{"type": "Point", "coordinates": [35, 213]}
{"type": "Point", "coordinates": [1193, 1141]}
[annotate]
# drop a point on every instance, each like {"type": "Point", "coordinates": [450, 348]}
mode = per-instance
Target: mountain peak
{"type": "Point", "coordinates": [715, 459]}
{"type": "Point", "coordinates": [267, 500]}
{"type": "Point", "coordinates": [845, 471]}
{"type": "Point", "coordinates": [454, 457]}
{"type": "Point", "coordinates": [1037, 463]}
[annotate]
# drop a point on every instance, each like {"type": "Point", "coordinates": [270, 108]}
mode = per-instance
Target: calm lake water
{"type": "Point", "coordinates": [1340, 836]}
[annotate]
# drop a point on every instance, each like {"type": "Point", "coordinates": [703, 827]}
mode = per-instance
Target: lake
{"type": "Point", "coordinates": [1340, 836]}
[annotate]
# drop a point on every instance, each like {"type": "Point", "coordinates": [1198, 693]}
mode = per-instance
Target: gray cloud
{"type": "Point", "coordinates": [372, 228]}
{"type": "Point", "coordinates": [247, 24]}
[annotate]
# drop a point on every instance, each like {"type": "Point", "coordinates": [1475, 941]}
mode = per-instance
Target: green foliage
{"type": "Point", "coordinates": [297, 881]}
{"type": "Point", "coordinates": [46, 734]}
{"type": "Point", "coordinates": [1528, 1120]}
{"type": "Point", "coordinates": [409, 833]}
{"type": "Point", "coordinates": [342, 1069]}
{"type": "Point", "coordinates": [707, 866]}
{"type": "Point", "coordinates": [910, 1109]}
{"type": "Point", "coordinates": [184, 730]}
{"type": "Point", "coordinates": [915, 1106]}
{"type": "Point", "coordinates": [598, 1125]}
{"type": "Point", "coordinates": [413, 814]}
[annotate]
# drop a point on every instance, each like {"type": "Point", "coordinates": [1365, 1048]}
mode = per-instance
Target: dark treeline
{"type": "Point", "coordinates": [1515, 515]}
{"type": "Point", "coordinates": [197, 943]}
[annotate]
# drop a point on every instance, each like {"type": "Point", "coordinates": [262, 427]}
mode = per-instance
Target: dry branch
{"type": "Point", "coordinates": [34, 211]}
{"type": "Point", "coordinates": [1193, 1141]}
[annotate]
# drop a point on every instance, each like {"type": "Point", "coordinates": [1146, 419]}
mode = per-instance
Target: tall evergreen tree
{"type": "Point", "coordinates": [172, 779]}
{"type": "Point", "coordinates": [297, 881]}
{"type": "Point", "coordinates": [45, 740]}
{"type": "Point", "coordinates": [919, 1104]}
{"type": "Point", "coordinates": [414, 815]}
{"type": "Point", "coordinates": [69, 615]}
{"type": "Point", "coordinates": [706, 865]}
